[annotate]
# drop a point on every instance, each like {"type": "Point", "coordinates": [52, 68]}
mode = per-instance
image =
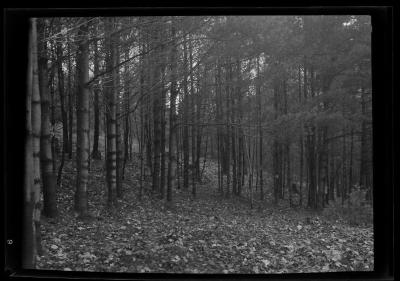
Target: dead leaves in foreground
{"type": "Point", "coordinates": [206, 235]}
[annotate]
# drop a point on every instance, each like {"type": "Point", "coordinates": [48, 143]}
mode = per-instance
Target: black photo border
{"type": "Point", "coordinates": [15, 42]}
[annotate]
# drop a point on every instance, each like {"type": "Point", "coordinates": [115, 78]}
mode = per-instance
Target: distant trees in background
{"type": "Point", "coordinates": [281, 104]}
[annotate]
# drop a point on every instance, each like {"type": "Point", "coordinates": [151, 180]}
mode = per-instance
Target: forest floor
{"type": "Point", "coordinates": [209, 234]}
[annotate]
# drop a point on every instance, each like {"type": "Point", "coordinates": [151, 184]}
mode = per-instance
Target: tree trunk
{"type": "Point", "coordinates": [46, 157]}
{"type": "Point", "coordinates": [142, 122]}
{"type": "Point", "coordinates": [288, 174]}
{"type": "Point", "coordinates": [198, 128]}
{"type": "Point", "coordinates": [70, 102]}
{"type": "Point", "coordinates": [351, 160]}
{"type": "Point", "coordinates": [301, 145]}
{"type": "Point", "coordinates": [82, 143]}
{"type": "Point", "coordinates": [185, 140]}
{"type": "Point", "coordinates": [111, 98]}
{"type": "Point", "coordinates": [228, 130]}
{"type": "Point", "coordinates": [126, 126]}
{"type": "Point", "coordinates": [31, 238]}
{"type": "Point", "coordinates": [163, 138]}
{"type": "Point", "coordinates": [156, 94]}
{"type": "Point", "coordinates": [118, 139]}
{"type": "Point", "coordinates": [343, 187]}
{"type": "Point", "coordinates": [260, 134]}
{"type": "Point", "coordinates": [192, 120]}
{"type": "Point", "coordinates": [60, 74]}
{"type": "Point", "coordinates": [96, 154]}
{"type": "Point", "coordinates": [311, 168]}
{"type": "Point", "coordinates": [276, 147]}
{"type": "Point", "coordinates": [36, 133]}
{"type": "Point", "coordinates": [172, 117]}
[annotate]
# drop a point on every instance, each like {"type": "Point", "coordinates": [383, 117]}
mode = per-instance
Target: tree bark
{"type": "Point", "coordinates": [185, 140]}
{"type": "Point", "coordinates": [111, 114]}
{"type": "Point", "coordinates": [172, 117]}
{"type": "Point", "coordinates": [116, 85]}
{"type": "Point", "coordinates": [46, 157]}
{"type": "Point", "coordinates": [96, 154]}
{"type": "Point", "coordinates": [70, 102]}
{"type": "Point", "coordinates": [192, 120]}
{"type": "Point", "coordinates": [82, 143]}
{"type": "Point", "coordinates": [60, 74]}
{"type": "Point", "coordinates": [260, 133]}
{"type": "Point", "coordinates": [156, 95]}
{"type": "Point", "coordinates": [31, 245]}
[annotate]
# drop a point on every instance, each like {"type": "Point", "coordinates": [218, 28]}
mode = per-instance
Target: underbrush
{"type": "Point", "coordinates": [355, 210]}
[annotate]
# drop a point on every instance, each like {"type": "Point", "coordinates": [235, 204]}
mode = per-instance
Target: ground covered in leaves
{"type": "Point", "coordinates": [206, 235]}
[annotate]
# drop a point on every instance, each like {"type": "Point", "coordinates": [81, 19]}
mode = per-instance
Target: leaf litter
{"type": "Point", "coordinates": [208, 234]}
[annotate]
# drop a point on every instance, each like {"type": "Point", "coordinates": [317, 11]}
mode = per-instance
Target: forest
{"type": "Point", "coordinates": [199, 144]}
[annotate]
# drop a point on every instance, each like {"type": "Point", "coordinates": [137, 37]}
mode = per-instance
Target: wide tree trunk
{"type": "Point", "coordinates": [31, 244]}
{"type": "Point", "coordinates": [46, 157]}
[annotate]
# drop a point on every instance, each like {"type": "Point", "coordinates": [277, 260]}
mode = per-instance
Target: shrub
{"type": "Point", "coordinates": [356, 210]}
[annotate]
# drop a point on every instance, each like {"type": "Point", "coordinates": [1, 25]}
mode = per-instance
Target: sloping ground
{"type": "Point", "coordinates": [205, 235]}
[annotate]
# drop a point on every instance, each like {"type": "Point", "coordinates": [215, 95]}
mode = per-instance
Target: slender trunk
{"type": "Point", "coordinates": [276, 155]}
{"type": "Point", "coordinates": [142, 129]}
{"type": "Point", "coordinates": [178, 131]}
{"type": "Point", "coordinates": [82, 144]}
{"type": "Point", "coordinates": [252, 166]}
{"type": "Point", "coordinates": [127, 115]}
{"type": "Point", "coordinates": [172, 117]}
{"type": "Point", "coordinates": [228, 131]}
{"type": "Point", "coordinates": [116, 86]}
{"type": "Point", "coordinates": [300, 145]}
{"type": "Point", "coordinates": [219, 165]}
{"type": "Point", "coordinates": [126, 133]}
{"type": "Point", "coordinates": [288, 174]}
{"type": "Point", "coordinates": [156, 102]}
{"type": "Point", "coordinates": [111, 97]}
{"type": "Point", "coordinates": [60, 74]}
{"type": "Point", "coordinates": [218, 120]}
{"type": "Point", "coordinates": [351, 160]}
{"type": "Point", "coordinates": [96, 154]}
{"type": "Point", "coordinates": [64, 116]}
{"type": "Point", "coordinates": [343, 192]}
{"type": "Point", "coordinates": [185, 139]}
{"type": "Point", "coordinates": [301, 168]}
{"type": "Point", "coordinates": [204, 159]}
{"type": "Point", "coordinates": [260, 134]}
{"type": "Point", "coordinates": [332, 180]}
{"type": "Point", "coordinates": [163, 137]}
{"type": "Point", "coordinates": [70, 102]}
{"type": "Point", "coordinates": [192, 119]}
{"type": "Point", "coordinates": [241, 165]}
{"type": "Point", "coordinates": [311, 168]}
{"type": "Point", "coordinates": [198, 129]}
